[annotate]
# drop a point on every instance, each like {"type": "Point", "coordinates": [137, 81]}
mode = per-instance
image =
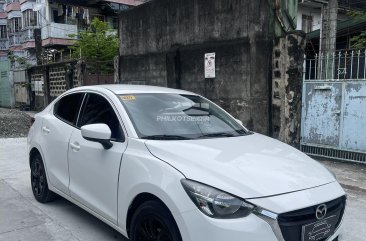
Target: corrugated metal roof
{"type": "Point", "coordinates": [343, 27]}
{"type": "Point", "coordinates": [98, 2]}
{"type": "Point", "coordinates": [127, 2]}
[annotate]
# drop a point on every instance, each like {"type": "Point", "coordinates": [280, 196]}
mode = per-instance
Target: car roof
{"type": "Point", "coordinates": [121, 89]}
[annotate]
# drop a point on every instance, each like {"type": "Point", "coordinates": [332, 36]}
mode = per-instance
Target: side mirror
{"type": "Point", "coordinates": [100, 133]}
{"type": "Point", "coordinates": [239, 121]}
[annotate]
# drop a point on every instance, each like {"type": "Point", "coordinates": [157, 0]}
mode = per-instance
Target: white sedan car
{"type": "Point", "coordinates": [161, 164]}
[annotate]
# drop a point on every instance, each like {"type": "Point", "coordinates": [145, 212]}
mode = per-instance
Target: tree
{"type": "Point", "coordinates": [98, 46]}
{"type": "Point", "coordinates": [358, 41]}
{"type": "Point", "coordinates": [19, 62]}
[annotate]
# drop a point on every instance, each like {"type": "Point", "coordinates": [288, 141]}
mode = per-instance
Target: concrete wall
{"type": "Point", "coordinates": [163, 43]}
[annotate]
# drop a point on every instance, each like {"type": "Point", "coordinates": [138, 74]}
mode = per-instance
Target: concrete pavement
{"type": "Point", "coordinates": [22, 218]}
{"type": "Point", "coordinates": [352, 177]}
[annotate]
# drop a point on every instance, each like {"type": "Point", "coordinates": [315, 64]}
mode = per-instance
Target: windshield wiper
{"type": "Point", "coordinates": [220, 134]}
{"type": "Point", "coordinates": [165, 137]}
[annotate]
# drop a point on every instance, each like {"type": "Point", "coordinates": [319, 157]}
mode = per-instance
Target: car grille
{"type": "Point", "coordinates": [291, 223]}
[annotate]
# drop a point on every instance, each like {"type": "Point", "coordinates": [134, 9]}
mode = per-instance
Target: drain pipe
{"type": "Point", "coordinates": [278, 16]}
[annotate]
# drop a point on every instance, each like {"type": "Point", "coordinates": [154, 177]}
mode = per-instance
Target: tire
{"type": "Point", "coordinates": [39, 181]}
{"type": "Point", "coordinates": [152, 221]}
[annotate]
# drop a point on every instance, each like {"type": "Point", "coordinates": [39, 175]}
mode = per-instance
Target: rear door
{"type": "Point", "coordinates": [57, 127]}
{"type": "Point", "coordinates": [94, 170]}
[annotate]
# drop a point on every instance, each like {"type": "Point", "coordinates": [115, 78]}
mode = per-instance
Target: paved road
{"type": "Point", "coordinates": [22, 218]}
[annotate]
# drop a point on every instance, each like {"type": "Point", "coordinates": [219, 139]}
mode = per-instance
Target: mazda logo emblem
{"type": "Point", "coordinates": [321, 211]}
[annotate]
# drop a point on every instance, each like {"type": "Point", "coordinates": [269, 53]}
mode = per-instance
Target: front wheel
{"type": "Point", "coordinates": [152, 221]}
{"type": "Point", "coordinates": [39, 181]}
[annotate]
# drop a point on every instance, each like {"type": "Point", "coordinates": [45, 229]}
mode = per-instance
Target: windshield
{"type": "Point", "coordinates": [178, 117]}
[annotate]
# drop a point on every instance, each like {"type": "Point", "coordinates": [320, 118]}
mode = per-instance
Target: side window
{"type": "Point", "coordinates": [67, 108]}
{"type": "Point", "coordinates": [97, 110]}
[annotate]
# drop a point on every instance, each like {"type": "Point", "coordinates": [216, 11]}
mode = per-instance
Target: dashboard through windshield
{"type": "Point", "coordinates": [178, 117]}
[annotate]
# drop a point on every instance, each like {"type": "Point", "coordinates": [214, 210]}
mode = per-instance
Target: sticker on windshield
{"type": "Point", "coordinates": [127, 97]}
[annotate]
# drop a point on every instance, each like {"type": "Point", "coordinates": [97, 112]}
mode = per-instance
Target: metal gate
{"type": "Point", "coordinates": [334, 106]}
{"type": "Point", "coordinates": [6, 86]}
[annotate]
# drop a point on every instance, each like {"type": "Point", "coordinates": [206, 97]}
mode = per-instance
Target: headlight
{"type": "Point", "coordinates": [215, 203]}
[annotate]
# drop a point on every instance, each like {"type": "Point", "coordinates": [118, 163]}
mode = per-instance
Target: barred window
{"type": "Point", "coordinates": [14, 25]}
{"type": "Point", "coordinates": [29, 18]}
{"type": "Point", "coordinates": [12, 1]}
{"type": "Point", "coordinates": [3, 33]}
{"type": "Point", "coordinates": [307, 23]}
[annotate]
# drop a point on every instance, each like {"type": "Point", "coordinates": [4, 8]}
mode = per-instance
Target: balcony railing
{"type": "Point", "coordinates": [60, 31]}
{"type": "Point", "coordinates": [4, 44]}
{"type": "Point", "coordinates": [14, 39]}
{"type": "Point", "coordinates": [27, 35]}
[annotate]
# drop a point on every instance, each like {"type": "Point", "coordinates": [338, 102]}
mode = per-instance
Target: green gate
{"type": "Point", "coordinates": [6, 93]}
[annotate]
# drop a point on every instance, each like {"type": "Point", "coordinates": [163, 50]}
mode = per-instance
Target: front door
{"type": "Point", "coordinates": [93, 169]}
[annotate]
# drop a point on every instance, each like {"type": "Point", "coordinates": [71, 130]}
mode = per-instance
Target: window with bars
{"type": "Point", "coordinates": [307, 23]}
{"type": "Point", "coordinates": [115, 23]}
{"type": "Point", "coordinates": [14, 25]}
{"type": "Point", "coordinates": [12, 1]}
{"type": "Point", "coordinates": [3, 32]}
{"type": "Point", "coordinates": [29, 18]}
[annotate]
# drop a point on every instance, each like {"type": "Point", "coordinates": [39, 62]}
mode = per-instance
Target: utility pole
{"type": "Point", "coordinates": [38, 44]}
{"type": "Point", "coordinates": [328, 36]}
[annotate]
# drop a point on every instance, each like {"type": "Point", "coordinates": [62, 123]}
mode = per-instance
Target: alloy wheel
{"type": "Point", "coordinates": [152, 229]}
{"type": "Point", "coordinates": [37, 178]}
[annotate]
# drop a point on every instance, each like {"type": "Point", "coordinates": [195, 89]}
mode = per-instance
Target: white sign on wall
{"type": "Point", "coordinates": [210, 70]}
{"type": "Point", "coordinates": [38, 86]}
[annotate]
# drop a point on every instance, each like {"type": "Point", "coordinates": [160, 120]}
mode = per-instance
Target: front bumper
{"type": "Point", "coordinates": [290, 230]}
{"type": "Point", "coordinates": [259, 226]}
{"type": "Point", "coordinates": [203, 228]}
{"type": "Point", "coordinates": [253, 228]}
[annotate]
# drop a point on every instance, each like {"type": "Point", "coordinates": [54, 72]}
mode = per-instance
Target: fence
{"type": "Point", "coordinates": [341, 65]}
{"type": "Point", "coordinates": [100, 72]}
{"type": "Point", "coordinates": [51, 80]}
{"type": "Point", "coordinates": [6, 90]}
{"type": "Point", "coordinates": [334, 106]}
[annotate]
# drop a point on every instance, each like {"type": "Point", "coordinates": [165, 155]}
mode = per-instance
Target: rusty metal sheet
{"type": "Point", "coordinates": [21, 94]}
{"type": "Point", "coordinates": [19, 76]}
{"type": "Point", "coordinates": [321, 113]}
{"type": "Point", "coordinates": [354, 117]}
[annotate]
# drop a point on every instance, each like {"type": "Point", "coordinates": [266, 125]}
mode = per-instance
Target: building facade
{"type": "Point", "coordinates": [311, 16]}
{"type": "Point", "coordinates": [59, 22]}
{"type": "Point", "coordinates": [171, 41]}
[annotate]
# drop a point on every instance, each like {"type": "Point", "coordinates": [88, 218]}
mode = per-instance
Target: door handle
{"type": "Point", "coordinates": [46, 130]}
{"type": "Point", "coordinates": [75, 146]}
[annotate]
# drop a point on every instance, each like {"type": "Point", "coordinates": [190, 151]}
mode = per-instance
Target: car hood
{"type": "Point", "coordinates": [249, 166]}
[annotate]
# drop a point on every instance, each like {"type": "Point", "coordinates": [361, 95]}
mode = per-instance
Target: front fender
{"type": "Point", "coordinates": [141, 172]}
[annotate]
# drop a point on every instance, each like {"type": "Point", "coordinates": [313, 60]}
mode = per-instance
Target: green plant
{"type": "Point", "coordinates": [24, 84]}
{"type": "Point", "coordinates": [22, 61]}
{"type": "Point", "coordinates": [358, 41]}
{"type": "Point", "coordinates": [97, 45]}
